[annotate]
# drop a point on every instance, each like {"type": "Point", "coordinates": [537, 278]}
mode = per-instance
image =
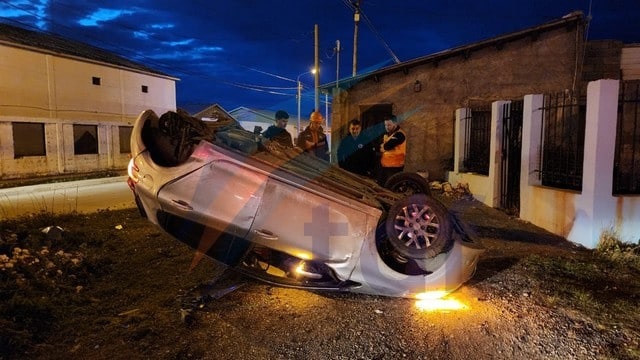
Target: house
{"type": "Point", "coordinates": [214, 112]}
{"type": "Point", "coordinates": [525, 119]}
{"type": "Point", "coordinates": [425, 92]}
{"type": "Point", "coordinates": [67, 107]}
{"type": "Point", "coordinates": [249, 119]}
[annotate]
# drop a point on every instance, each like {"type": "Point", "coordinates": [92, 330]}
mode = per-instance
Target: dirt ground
{"type": "Point", "coordinates": [112, 286]}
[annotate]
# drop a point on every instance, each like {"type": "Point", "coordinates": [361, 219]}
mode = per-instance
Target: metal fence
{"type": "Point", "coordinates": [626, 170]}
{"type": "Point", "coordinates": [511, 156]}
{"type": "Point", "coordinates": [477, 141]}
{"type": "Point", "coordinates": [562, 153]}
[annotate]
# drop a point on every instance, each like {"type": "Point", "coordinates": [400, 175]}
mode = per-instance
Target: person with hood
{"type": "Point", "coordinates": [313, 139]}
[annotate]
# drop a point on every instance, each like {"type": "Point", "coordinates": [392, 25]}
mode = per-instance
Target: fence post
{"type": "Point", "coordinates": [531, 146]}
{"type": "Point", "coordinates": [596, 207]}
{"type": "Point", "coordinates": [495, 152]}
{"type": "Point", "coordinates": [460, 131]}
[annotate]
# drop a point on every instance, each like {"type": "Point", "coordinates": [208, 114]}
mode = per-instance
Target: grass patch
{"type": "Point", "coordinates": [39, 273]}
{"type": "Point", "coordinates": [613, 248]}
{"type": "Point", "coordinates": [600, 288]}
{"type": "Point", "coordinates": [111, 270]}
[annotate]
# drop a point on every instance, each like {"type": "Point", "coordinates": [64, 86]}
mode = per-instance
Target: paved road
{"type": "Point", "coordinates": [82, 196]}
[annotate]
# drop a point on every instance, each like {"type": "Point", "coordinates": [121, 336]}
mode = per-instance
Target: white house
{"type": "Point", "coordinates": [68, 107]}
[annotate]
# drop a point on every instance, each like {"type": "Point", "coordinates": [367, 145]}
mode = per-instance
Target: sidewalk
{"type": "Point", "coordinates": [81, 196]}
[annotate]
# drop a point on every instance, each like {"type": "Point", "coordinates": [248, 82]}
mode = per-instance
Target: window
{"type": "Point", "coordinates": [477, 140]}
{"type": "Point", "coordinates": [563, 121]}
{"type": "Point", "coordinates": [95, 80]}
{"type": "Point", "coordinates": [28, 140]}
{"type": "Point", "coordinates": [85, 139]}
{"type": "Point", "coordinates": [626, 169]}
{"type": "Point", "coordinates": [125, 139]}
{"type": "Point", "coordinates": [145, 89]}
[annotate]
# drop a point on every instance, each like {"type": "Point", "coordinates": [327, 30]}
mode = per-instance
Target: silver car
{"type": "Point", "coordinates": [285, 217]}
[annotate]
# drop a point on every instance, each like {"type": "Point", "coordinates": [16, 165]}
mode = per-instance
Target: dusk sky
{"type": "Point", "coordinates": [250, 52]}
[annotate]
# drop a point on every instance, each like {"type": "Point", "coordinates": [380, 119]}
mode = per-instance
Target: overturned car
{"type": "Point", "coordinates": [288, 218]}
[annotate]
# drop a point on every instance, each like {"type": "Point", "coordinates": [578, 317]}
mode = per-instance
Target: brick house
{"type": "Point", "coordinates": [576, 168]}
{"type": "Point", "coordinates": [425, 92]}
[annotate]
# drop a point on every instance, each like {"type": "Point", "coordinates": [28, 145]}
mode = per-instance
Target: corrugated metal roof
{"type": "Point", "coordinates": [57, 45]}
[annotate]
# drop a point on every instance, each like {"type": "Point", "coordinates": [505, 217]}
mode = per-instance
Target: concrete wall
{"type": "Point", "coordinates": [58, 92]}
{"type": "Point", "coordinates": [544, 63]}
{"type": "Point", "coordinates": [579, 216]}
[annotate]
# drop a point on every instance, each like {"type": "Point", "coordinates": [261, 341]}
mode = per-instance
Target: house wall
{"type": "Point", "coordinates": [544, 62]}
{"type": "Point", "coordinates": [579, 216]}
{"type": "Point", "coordinates": [58, 91]}
{"type": "Point", "coordinates": [630, 62]}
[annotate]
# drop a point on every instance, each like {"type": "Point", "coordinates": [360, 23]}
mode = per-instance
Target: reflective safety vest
{"type": "Point", "coordinates": [395, 156]}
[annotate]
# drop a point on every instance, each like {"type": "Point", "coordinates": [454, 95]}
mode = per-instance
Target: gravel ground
{"type": "Point", "coordinates": [534, 296]}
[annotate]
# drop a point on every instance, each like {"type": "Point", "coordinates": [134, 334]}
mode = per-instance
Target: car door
{"type": "Point", "coordinates": [223, 196]}
{"type": "Point", "coordinates": [311, 222]}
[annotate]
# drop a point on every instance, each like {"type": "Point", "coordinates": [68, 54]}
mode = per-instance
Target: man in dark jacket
{"type": "Point", "coordinates": [355, 153]}
{"type": "Point", "coordinates": [278, 132]}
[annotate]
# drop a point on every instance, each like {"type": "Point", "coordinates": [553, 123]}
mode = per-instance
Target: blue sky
{"type": "Point", "coordinates": [250, 52]}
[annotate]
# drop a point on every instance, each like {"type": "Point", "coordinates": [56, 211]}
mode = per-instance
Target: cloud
{"type": "Point", "coordinates": [102, 15]}
{"type": "Point", "coordinates": [211, 45]}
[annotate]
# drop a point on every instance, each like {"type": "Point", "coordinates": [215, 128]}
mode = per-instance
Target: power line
{"type": "Point", "coordinates": [135, 55]}
{"type": "Point", "coordinates": [373, 29]}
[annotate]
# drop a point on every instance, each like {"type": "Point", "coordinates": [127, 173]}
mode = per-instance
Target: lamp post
{"type": "Point", "coordinates": [312, 71]}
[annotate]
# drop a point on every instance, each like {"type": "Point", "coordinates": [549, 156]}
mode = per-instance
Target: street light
{"type": "Point", "coordinates": [312, 71]}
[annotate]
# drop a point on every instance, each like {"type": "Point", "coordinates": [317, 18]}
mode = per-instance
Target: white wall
{"type": "Point", "coordinates": [583, 216]}
{"type": "Point", "coordinates": [58, 91]}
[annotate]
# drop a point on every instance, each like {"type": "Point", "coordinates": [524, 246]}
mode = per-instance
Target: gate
{"type": "Point", "coordinates": [511, 157]}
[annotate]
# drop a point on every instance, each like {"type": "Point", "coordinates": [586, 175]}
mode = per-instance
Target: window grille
{"type": "Point", "coordinates": [477, 141]}
{"type": "Point", "coordinates": [626, 170]}
{"type": "Point", "coordinates": [563, 127]}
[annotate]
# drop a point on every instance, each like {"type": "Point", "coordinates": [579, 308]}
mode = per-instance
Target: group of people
{"type": "Point", "coordinates": [362, 155]}
{"type": "Point", "coordinates": [312, 140]}
{"type": "Point", "coordinates": [375, 158]}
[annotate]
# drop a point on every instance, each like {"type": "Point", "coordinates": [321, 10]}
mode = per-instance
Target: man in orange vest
{"type": "Point", "coordinates": [312, 139]}
{"type": "Point", "coordinates": [392, 150]}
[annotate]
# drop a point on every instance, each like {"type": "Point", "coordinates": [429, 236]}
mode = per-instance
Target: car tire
{"type": "Point", "coordinates": [418, 226]}
{"type": "Point", "coordinates": [408, 183]}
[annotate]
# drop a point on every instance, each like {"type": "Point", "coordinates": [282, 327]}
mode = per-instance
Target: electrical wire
{"type": "Point", "coordinates": [373, 29]}
{"type": "Point", "coordinates": [149, 61]}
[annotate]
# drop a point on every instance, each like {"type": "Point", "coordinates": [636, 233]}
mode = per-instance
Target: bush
{"type": "Point", "coordinates": [612, 247]}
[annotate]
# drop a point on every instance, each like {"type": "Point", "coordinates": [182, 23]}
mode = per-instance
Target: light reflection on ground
{"type": "Point", "coordinates": [438, 301]}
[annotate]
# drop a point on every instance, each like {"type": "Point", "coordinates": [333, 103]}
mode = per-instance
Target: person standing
{"type": "Point", "coordinates": [392, 150]}
{"type": "Point", "coordinates": [355, 153]}
{"type": "Point", "coordinates": [278, 133]}
{"type": "Point", "coordinates": [313, 139]}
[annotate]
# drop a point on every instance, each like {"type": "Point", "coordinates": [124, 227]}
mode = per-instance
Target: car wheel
{"type": "Point", "coordinates": [408, 183]}
{"type": "Point", "coordinates": [419, 227]}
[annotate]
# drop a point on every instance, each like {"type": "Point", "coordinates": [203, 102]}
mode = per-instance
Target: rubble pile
{"type": "Point", "coordinates": [459, 192]}
{"type": "Point", "coordinates": [21, 265]}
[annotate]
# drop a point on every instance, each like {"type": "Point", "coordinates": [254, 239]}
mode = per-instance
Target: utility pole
{"type": "Point", "coordinates": [337, 62]}
{"type": "Point", "coordinates": [317, 67]}
{"type": "Point", "coordinates": [356, 21]}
